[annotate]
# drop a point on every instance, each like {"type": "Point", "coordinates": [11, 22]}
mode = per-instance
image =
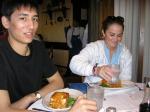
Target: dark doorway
{"type": "Point", "coordinates": [80, 11]}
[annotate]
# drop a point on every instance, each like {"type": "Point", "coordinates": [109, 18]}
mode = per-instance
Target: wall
{"type": "Point", "coordinates": [106, 9]}
{"type": "Point", "coordinates": [53, 30]}
{"type": "Point", "coordinates": [98, 11]}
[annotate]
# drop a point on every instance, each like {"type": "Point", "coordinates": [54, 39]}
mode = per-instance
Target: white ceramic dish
{"type": "Point", "coordinates": [125, 85]}
{"type": "Point", "coordinates": [72, 92]}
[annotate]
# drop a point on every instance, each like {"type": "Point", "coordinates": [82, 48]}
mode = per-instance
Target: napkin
{"type": "Point", "coordinates": [79, 86]}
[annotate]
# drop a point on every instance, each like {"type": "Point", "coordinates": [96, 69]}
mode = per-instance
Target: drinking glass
{"type": "Point", "coordinates": [96, 93]}
{"type": "Point", "coordinates": [116, 72]}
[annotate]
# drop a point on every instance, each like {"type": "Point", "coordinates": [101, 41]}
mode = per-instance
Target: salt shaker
{"type": "Point", "coordinates": [111, 109]}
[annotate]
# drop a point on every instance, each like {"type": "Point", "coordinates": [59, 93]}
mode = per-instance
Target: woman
{"type": "Point", "coordinates": [94, 60]}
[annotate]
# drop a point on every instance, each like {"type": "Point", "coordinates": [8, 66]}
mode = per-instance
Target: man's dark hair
{"type": "Point", "coordinates": [9, 6]}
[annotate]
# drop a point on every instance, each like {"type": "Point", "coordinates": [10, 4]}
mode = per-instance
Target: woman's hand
{"type": "Point", "coordinates": [104, 72]}
{"type": "Point", "coordinates": [84, 105]}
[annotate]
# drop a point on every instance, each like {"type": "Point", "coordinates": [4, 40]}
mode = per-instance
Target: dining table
{"type": "Point", "coordinates": [124, 100]}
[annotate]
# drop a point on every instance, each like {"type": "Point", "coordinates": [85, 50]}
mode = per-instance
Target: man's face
{"type": "Point", "coordinates": [23, 25]}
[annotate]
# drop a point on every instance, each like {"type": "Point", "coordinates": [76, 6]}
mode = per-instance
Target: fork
{"type": "Point", "coordinates": [41, 110]}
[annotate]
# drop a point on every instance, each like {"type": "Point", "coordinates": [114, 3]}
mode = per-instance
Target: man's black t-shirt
{"type": "Point", "coordinates": [21, 75]}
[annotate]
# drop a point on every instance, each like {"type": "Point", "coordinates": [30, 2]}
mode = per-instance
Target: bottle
{"type": "Point", "coordinates": [145, 105]}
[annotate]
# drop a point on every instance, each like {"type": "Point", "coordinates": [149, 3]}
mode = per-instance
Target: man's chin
{"type": "Point", "coordinates": [28, 41]}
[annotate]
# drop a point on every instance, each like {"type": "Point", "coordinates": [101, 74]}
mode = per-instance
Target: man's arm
{"type": "Point", "coordinates": [55, 82]}
{"type": "Point", "coordinates": [5, 105]}
{"type": "Point", "coordinates": [84, 105]}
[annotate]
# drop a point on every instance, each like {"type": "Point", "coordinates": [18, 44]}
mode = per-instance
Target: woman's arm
{"type": "Point", "coordinates": [83, 63]}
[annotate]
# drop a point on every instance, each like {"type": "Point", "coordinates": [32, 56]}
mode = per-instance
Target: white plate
{"type": "Point", "coordinates": [125, 85]}
{"type": "Point", "coordinates": [72, 92]}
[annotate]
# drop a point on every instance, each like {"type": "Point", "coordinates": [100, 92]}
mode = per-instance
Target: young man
{"type": "Point", "coordinates": [24, 62]}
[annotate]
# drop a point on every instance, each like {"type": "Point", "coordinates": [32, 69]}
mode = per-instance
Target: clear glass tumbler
{"type": "Point", "coordinates": [115, 81]}
{"type": "Point", "coordinates": [96, 93]}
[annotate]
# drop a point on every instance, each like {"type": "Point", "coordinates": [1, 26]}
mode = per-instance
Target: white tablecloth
{"type": "Point", "coordinates": [128, 102]}
{"type": "Point", "coordinates": [125, 100]}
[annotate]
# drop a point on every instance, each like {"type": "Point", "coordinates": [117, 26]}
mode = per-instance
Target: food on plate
{"type": "Point", "coordinates": [60, 100]}
{"type": "Point", "coordinates": [71, 101]}
{"type": "Point", "coordinates": [105, 83]}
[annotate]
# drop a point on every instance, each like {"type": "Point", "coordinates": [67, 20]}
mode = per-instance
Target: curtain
{"type": "Point", "coordinates": [130, 10]}
{"type": "Point", "coordinates": [146, 31]}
